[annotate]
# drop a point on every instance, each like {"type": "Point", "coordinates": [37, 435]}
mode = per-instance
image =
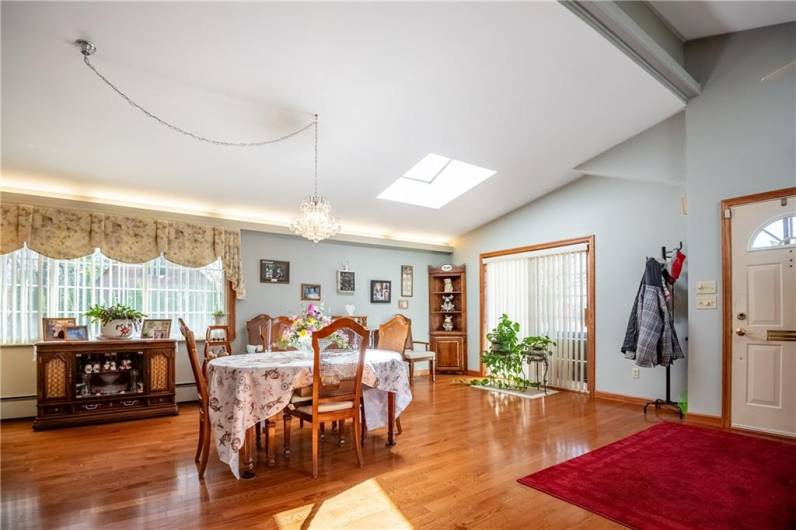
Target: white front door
{"type": "Point", "coordinates": [764, 316]}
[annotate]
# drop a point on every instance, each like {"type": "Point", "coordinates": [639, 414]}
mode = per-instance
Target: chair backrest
{"type": "Point", "coordinates": [217, 343]}
{"type": "Point", "coordinates": [394, 333]}
{"type": "Point", "coordinates": [338, 362]}
{"type": "Point", "coordinates": [410, 344]}
{"type": "Point", "coordinates": [196, 367]}
{"type": "Point", "coordinates": [257, 330]}
{"type": "Point", "coordinates": [279, 326]}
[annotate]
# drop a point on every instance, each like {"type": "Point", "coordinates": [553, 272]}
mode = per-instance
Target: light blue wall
{"type": "Point", "coordinates": [318, 263]}
{"type": "Point", "coordinates": [630, 221]}
{"type": "Point", "coordinates": [740, 140]}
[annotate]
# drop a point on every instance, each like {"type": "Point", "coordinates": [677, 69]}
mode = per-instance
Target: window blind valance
{"type": "Point", "coordinates": [62, 233]}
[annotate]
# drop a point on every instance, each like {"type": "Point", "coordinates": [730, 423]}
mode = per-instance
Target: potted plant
{"type": "Point", "coordinates": [118, 321]}
{"type": "Point", "coordinates": [219, 317]}
{"type": "Point", "coordinates": [507, 353]}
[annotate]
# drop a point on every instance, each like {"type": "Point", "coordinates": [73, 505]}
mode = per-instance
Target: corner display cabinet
{"type": "Point", "coordinates": [98, 381]}
{"type": "Point", "coordinates": [447, 304]}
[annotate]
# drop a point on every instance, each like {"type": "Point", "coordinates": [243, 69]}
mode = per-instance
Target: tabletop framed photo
{"type": "Point", "coordinates": [55, 328]}
{"type": "Point", "coordinates": [156, 328]}
{"type": "Point", "coordinates": [380, 291]}
{"type": "Point", "coordinates": [274, 271]}
{"type": "Point", "coordinates": [76, 333]}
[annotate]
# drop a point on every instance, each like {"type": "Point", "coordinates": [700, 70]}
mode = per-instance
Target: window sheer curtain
{"type": "Point", "coordinates": [34, 286]}
{"type": "Point", "coordinates": [546, 293]}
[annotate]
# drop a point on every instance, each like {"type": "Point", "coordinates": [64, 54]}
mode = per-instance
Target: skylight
{"type": "Point", "coordinates": [435, 181]}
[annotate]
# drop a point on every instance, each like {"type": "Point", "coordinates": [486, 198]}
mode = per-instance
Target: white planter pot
{"type": "Point", "coordinates": [220, 321]}
{"type": "Point", "coordinates": [118, 329]}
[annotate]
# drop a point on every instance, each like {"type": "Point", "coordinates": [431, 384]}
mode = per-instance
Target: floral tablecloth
{"type": "Point", "coordinates": [248, 388]}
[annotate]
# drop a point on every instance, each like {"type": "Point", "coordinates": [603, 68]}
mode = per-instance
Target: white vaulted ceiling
{"type": "Point", "coordinates": [526, 89]}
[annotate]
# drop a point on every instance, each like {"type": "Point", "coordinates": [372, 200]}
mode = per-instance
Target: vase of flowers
{"type": "Point", "coordinates": [118, 321]}
{"type": "Point", "coordinates": [299, 335]}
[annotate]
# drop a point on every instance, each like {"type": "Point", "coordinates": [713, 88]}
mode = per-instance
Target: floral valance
{"type": "Point", "coordinates": [62, 233]}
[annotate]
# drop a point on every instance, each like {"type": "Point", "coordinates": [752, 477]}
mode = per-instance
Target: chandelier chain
{"type": "Point", "coordinates": [198, 137]}
{"type": "Point", "coordinates": [316, 154]}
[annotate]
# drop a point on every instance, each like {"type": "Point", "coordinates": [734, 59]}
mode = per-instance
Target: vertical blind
{"type": "Point", "coordinates": [546, 293]}
{"type": "Point", "coordinates": [34, 286]}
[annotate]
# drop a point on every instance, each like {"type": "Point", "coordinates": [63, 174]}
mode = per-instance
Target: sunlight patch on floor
{"type": "Point", "coordinates": [366, 505]}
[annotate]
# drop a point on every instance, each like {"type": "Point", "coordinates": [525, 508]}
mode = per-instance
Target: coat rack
{"type": "Point", "coordinates": [666, 254]}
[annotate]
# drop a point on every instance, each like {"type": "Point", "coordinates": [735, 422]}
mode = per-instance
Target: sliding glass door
{"type": "Point", "coordinates": [546, 292]}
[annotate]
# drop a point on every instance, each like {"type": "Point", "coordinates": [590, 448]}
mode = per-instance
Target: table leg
{"type": "Point", "coordinates": [248, 453]}
{"type": "Point", "coordinates": [390, 419]}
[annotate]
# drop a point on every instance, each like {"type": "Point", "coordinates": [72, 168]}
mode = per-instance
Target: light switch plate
{"type": "Point", "coordinates": [706, 287]}
{"type": "Point", "coordinates": [706, 301]}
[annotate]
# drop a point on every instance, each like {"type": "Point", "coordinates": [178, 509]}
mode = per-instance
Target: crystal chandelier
{"type": "Point", "coordinates": [316, 221]}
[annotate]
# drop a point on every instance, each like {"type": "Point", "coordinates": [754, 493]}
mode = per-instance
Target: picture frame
{"type": "Point", "coordinates": [55, 328]}
{"type": "Point", "coordinates": [346, 282]}
{"type": "Point", "coordinates": [274, 271]}
{"type": "Point", "coordinates": [159, 328]}
{"type": "Point", "coordinates": [407, 281]}
{"type": "Point", "coordinates": [403, 304]}
{"type": "Point", "coordinates": [380, 291]}
{"type": "Point", "coordinates": [311, 292]}
{"type": "Point", "coordinates": [76, 333]}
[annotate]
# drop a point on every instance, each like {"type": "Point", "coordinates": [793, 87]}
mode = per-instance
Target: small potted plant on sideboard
{"type": "Point", "coordinates": [219, 317]}
{"type": "Point", "coordinates": [118, 321]}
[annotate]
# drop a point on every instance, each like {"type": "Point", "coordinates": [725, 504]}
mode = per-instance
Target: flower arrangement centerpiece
{"type": "Point", "coordinates": [311, 319]}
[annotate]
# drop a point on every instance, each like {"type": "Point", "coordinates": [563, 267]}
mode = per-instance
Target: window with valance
{"type": "Point", "coordinates": [56, 261]}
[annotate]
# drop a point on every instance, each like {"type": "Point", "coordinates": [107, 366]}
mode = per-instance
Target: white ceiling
{"type": "Point", "coordinates": [694, 20]}
{"type": "Point", "coordinates": [527, 89]}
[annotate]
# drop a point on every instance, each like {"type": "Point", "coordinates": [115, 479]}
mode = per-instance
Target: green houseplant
{"type": "Point", "coordinates": [218, 317]}
{"type": "Point", "coordinates": [507, 353]}
{"type": "Point", "coordinates": [118, 320]}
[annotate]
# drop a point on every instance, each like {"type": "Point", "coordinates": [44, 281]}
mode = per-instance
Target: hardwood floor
{"type": "Point", "coordinates": [455, 465]}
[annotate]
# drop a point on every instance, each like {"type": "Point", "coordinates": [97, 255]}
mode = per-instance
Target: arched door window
{"type": "Point", "coordinates": [780, 232]}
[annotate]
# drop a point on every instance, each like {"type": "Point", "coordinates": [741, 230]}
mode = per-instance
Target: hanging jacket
{"type": "Point", "coordinates": [650, 338]}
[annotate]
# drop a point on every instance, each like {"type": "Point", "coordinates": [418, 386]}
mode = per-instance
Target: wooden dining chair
{"type": "Point", "coordinates": [413, 355]}
{"type": "Point", "coordinates": [258, 330]}
{"type": "Point", "coordinates": [336, 385]}
{"type": "Point", "coordinates": [203, 446]}
{"type": "Point", "coordinates": [279, 326]}
{"type": "Point", "coordinates": [217, 344]}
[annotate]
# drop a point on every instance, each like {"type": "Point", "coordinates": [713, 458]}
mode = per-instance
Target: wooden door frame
{"type": "Point", "coordinates": [590, 302]}
{"type": "Point", "coordinates": [726, 294]}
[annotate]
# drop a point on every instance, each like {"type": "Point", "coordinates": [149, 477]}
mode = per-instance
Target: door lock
{"type": "Point", "coordinates": [741, 316]}
{"type": "Point", "coordinates": [740, 332]}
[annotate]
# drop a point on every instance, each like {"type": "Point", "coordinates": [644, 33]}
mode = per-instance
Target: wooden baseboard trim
{"type": "Point", "coordinates": [474, 373]}
{"type": "Point", "coordinates": [630, 400]}
{"type": "Point", "coordinates": [705, 420]}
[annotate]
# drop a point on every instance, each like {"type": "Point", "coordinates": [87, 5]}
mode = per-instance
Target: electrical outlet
{"type": "Point", "coordinates": [706, 301]}
{"type": "Point", "coordinates": [636, 372]}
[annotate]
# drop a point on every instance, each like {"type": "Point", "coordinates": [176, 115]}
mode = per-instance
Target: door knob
{"type": "Point", "coordinates": [740, 332]}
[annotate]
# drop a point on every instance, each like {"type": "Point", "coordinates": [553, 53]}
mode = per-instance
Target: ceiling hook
{"type": "Point", "coordinates": [86, 47]}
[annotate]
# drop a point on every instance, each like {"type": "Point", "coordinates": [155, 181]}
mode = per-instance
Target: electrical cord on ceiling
{"type": "Point", "coordinates": [88, 48]}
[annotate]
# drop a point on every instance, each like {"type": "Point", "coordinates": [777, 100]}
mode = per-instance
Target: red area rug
{"type": "Point", "coordinates": [678, 476]}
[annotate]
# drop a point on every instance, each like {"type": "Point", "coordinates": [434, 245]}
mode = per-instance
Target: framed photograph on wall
{"type": "Point", "coordinates": [380, 291]}
{"type": "Point", "coordinates": [156, 329]}
{"type": "Point", "coordinates": [76, 333]}
{"type": "Point", "coordinates": [55, 328]}
{"type": "Point", "coordinates": [311, 292]}
{"type": "Point", "coordinates": [346, 282]}
{"type": "Point", "coordinates": [407, 280]}
{"type": "Point", "coordinates": [273, 271]}
{"type": "Point", "coordinates": [403, 304]}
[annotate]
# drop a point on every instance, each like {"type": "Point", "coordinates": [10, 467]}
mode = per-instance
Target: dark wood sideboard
{"type": "Point", "coordinates": [128, 379]}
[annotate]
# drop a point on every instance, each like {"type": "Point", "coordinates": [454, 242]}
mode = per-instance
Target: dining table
{"type": "Point", "coordinates": [247, 388]}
